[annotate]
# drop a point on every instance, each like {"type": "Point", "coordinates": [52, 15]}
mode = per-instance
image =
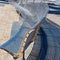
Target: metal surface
{"type": "Point", "coordinates": [31, 18]}
{"type": "Point", "coordinates": [47, 43]}
{"type": "Point", "coordinates": [54, 8]}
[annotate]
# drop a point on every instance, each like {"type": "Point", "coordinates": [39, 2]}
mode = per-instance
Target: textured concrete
{"type": "Point", "coordinates": [54, 18]}
{"type": "Point", "coordinates": [8, 16]}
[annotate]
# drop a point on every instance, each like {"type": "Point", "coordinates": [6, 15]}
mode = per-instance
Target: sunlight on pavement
{"type": "Point", "coordinates": [54, 18]}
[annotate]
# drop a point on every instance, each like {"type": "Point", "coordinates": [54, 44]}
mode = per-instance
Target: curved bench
{"type": "Point", "coordinates": [53, 8]}
{"type": "Point", "coordinates": [32, 15]}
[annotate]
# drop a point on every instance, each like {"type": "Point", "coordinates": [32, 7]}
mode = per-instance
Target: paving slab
{"type": "Point", "coordinates": [54, 18]}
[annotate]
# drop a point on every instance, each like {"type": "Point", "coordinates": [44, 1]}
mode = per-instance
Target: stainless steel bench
{"type": "Point", "coordinates": [32, 14]}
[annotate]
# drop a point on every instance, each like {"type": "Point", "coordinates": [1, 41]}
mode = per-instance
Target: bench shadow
{"type": "Point", "coordinates": [15, 28]}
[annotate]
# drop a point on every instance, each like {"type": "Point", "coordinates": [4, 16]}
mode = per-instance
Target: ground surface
{"type": "Point", "coordinates": [8, 16]}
